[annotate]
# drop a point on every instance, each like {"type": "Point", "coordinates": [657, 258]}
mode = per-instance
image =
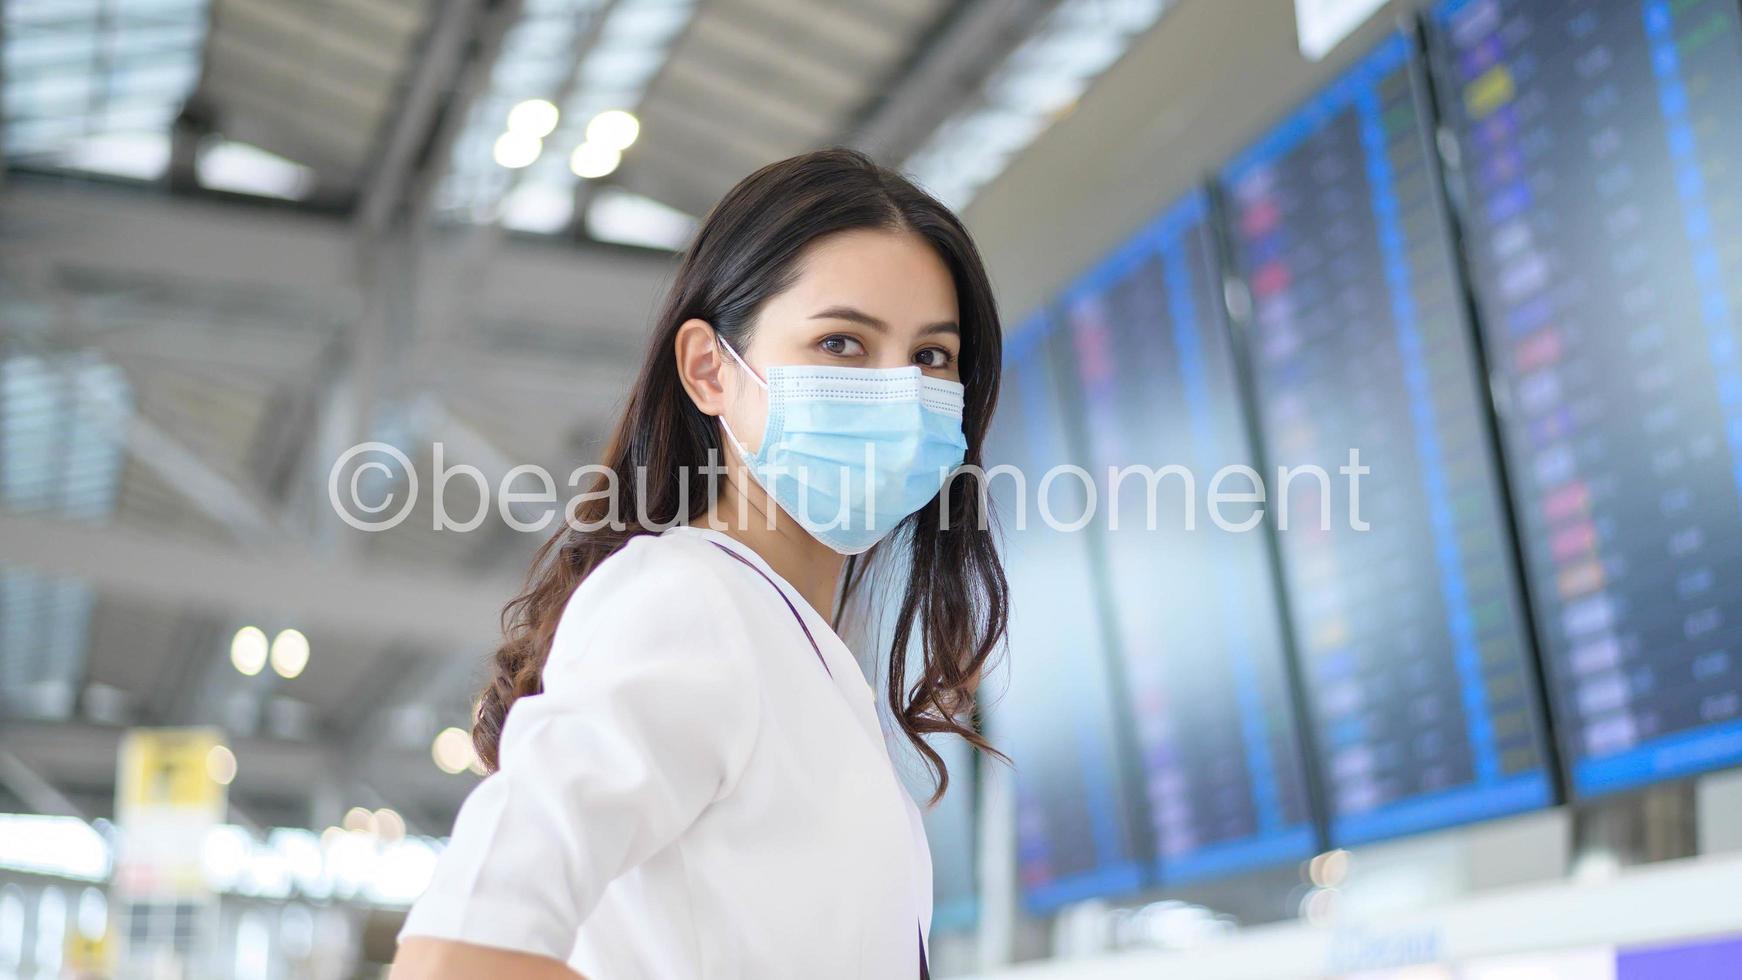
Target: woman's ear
{"type": "Point", "coordinates": [700, 366]}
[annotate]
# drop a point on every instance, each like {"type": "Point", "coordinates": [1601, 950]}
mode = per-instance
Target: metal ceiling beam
{"type": "Point", "coordinates": [684, 172]}
{"type": "Point", "coordinates": [306, 262]}
{"type": "Point", "coordinates": [239, 508]}
{"type": "Point", "coordinates": [855, 44]}
{"type": "Point", "coordinates": [239, 59]}
{"type": "Point", "coordinates": [974, 39]}
{"type": "Point", "coordinates": [369, 47]}
{"type": "Point", "coordinates": [593, 28]}
{"type": "Point", "coordinates": [756, 56]}
{"type": "Point", "coordinates": [253, 113]}
{"type": "Point", "coordinates": [83, 754]}
{"type": "Point", "coordinates": [675, 122]}
{"type": "Point", "coordinates": [146, 237]}
{"type": "Point", "coordinates": [433, 82]}
{"type": "Point", "coordinates": [444, 612]}
{"type": "Point", "coordinates": [248, 516]}
{"type": "Point", "coordinates": [390, 217]}
{"type": "Point", "coordinates": [36, 790]}
{"type": "Point", "coordinates": [735, 100]}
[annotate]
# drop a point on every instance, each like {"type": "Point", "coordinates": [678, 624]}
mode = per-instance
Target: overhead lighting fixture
{"type": "Point", "coordinates": [539, 206]}
{"type": "Point", "coordinates": [452, 751]}
{"type": "Point", "coordinates": [291, 863]}
{"type": "Point", "coordinates": [358, 820]}
{"type": "Point", "coordinates": [617, 215]}
{"type": "Point", "coordinates": [139, 155]}
{"type": "Point", "coordinates": [1323, 24]}
{"type": "Point", "coordinates": [534, 117]}
{"type": "Point", "coordinates": [591, 161]}
{"type": "Point", "coordinates": [63, 847]}
{"type": "Point", "coordinates": [631, 40]}
{"type": "Point", "coordinates": [226, 165]}
{"type": "Point", "coordinates": [289, 653]}
{"type": "Point", "coordinates": [221, 765]}
{"type": "Point", "coordinates": [613, 128]}
{"type": "Point", "coordinates": [1032, 88]}
{"type": "Point", "coordinates": [389, 825]}
{"type": "Point", "coordinates": [515, 150]}
{"type": "Point", "coordinates": [248, 650]}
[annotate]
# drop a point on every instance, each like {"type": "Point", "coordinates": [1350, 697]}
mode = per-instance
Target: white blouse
{"type": "Point", "coordinates": [693, 794]}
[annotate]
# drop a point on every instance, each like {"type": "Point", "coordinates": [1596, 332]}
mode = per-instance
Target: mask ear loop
{"type": "Point", "coordinates": [736, 444]}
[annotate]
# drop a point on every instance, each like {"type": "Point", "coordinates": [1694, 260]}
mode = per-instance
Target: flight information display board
{"type": "Point", "coordinates": [1052, 708]}
{"type": "Point", "coordinates": [1404, 599]}
{"type": "Point", "coordinates": [1193, 606]}
{"type": "Point", "coordinates": [1601, 181]}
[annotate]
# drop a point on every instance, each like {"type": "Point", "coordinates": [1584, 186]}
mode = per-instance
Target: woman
{"type": "Point", "coordinates": [693, 780]}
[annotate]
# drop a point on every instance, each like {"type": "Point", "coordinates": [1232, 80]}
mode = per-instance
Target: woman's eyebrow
{"type": "Point", "coordinates": [853, 315]}
{"type": "Point", "coordinates": [858, 316]}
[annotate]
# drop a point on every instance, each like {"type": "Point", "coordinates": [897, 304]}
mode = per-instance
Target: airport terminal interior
{"type": "Point", "coordinates": [1415, 653]}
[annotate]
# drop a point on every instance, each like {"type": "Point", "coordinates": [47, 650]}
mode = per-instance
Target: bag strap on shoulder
{"type": "Point", "coordinates": [783, 598]}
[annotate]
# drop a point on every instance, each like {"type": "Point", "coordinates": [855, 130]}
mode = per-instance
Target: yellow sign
{"type": "Point", "coordinates": [166, 768]}
{"type": "Point", "coordinates": [87, 957]}
{"type": "Point", "coordinates": [166, 803]}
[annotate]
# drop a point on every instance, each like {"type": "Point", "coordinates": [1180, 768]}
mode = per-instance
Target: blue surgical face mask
{"type": "Point", "coordinates": [850, 452]}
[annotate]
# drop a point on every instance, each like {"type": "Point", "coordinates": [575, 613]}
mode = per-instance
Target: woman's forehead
{"type": "Point", "coordinates": [895, 276]}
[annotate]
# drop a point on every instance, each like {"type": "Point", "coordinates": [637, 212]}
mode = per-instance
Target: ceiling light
{"type": "Point", "coordinates": [389, 825]}
{"type": "Point", "coordinates": [1036, 84]}
{"type": "Point", "coordinates": [452, 751]}
{"type": "Point", "coordinates": [625, 42]}
{"type": "Point", "coordinates": [539, 206]}
{"type": "Point", "coordinates": [591, 160]}
{"type": "Point", "coordinates": [248, 650]}
{"type": "Point", "coordinates": [227, 165]}
{"type": "Point", "coordinates": [289, 653]}
{"type": "Point", "coordinates": [616, 215]}
{"type": "Point", "coordinates": [534, 117]}
{"type": "Point", "coordinates": [515, 149]}
{"type": "Point", "coordinates": [221, 765]}
{"type": "Point", "coordinates": [613, 128]}
{"type": "Point", "coordinates": [142, 156]}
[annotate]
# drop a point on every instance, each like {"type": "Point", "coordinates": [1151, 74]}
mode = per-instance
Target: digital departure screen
{"type": "Point", "coordinates": [1152, 385]}
{"type": "Point", "coordinates": [1601, 183]}
{"type": "Point", "coordinates": [1052, 709]}
{"type": "Point", "coordinates": [1403, 591]}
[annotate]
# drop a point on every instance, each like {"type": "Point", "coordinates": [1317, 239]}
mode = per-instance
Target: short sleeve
{"type": "Point", "coordinates": [649, 712]}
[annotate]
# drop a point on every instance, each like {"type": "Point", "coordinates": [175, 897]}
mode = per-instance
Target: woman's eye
{"type": "Point", "coordinates": [842, 345]}
{"type": "Point", "coordinates": [933, 357]}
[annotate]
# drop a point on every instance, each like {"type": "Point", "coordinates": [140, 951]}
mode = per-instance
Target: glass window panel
{"type": "Point", "coordinates": [50, 11]}
{"type": "Point", "coordinates": [128, 117]}
{"type": "Point", "coordinates": [165, 79]}
{"type": "Point", "coordinates": [173, 39]}
{"type": "Point", "coordinates": [37, 137]}
{"type": "Point", "coordinates": [49, 95]}
{"type": "Point", "coordinates": [34, 51]}
{"type": "Point", "coordinates": [81, 67]}
{"type": "Point", "coordinates": [126, 11]}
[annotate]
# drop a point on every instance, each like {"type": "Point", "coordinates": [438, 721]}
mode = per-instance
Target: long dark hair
{"type": "Point", "coordinates": [745, 252]}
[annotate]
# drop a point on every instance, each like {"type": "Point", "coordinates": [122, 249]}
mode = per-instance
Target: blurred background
{"type": "Point", "coordinates": [1493, 245]}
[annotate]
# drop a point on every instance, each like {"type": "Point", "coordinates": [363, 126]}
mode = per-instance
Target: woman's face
{"type": "Point", "coordinates": [868, 299]}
